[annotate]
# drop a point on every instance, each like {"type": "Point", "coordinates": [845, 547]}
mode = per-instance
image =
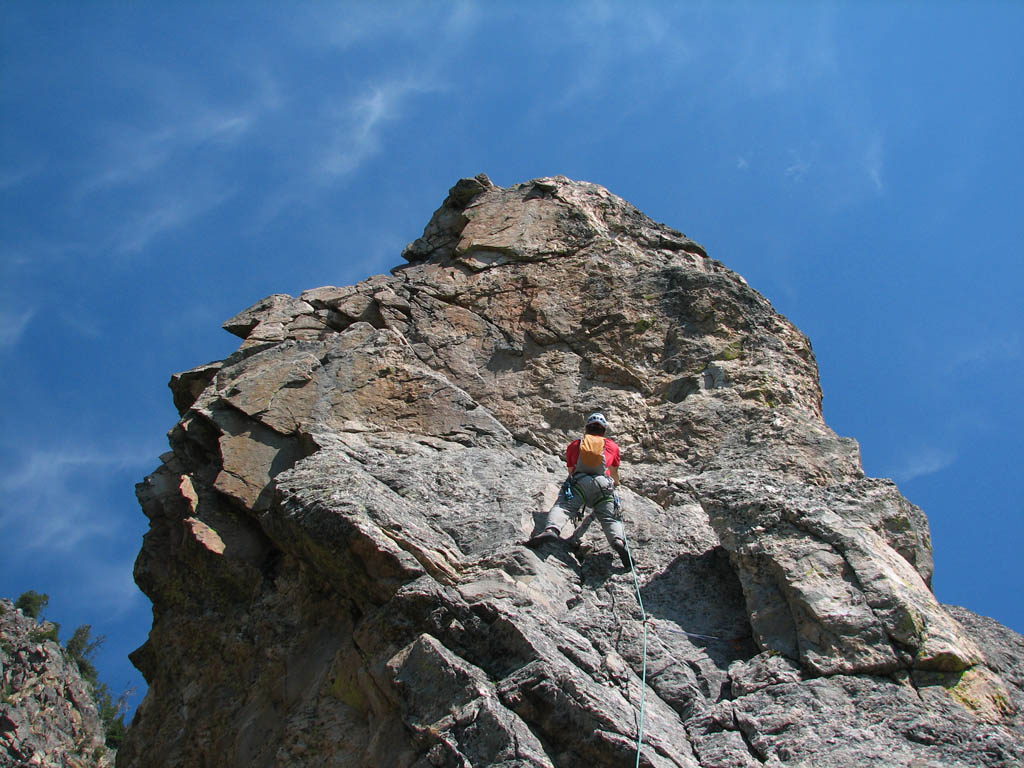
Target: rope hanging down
{"type": "Point", "coordinates": [643, 671]}
{"type": "Point", "coordinates": [643, 620]}
{"type": "Point", "coordinates": [643, 675]}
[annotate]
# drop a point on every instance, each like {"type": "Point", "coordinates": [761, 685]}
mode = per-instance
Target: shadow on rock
{"type": "Point", "coordinates": [700, 598]}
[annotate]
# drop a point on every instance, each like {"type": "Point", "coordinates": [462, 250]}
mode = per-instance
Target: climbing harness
{"type": "Point", "coordinates": [643, 674]}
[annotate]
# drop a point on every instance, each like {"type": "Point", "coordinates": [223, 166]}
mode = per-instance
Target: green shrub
{"type": "Point", "coordinates": [32, 603]}
{"type": "Point", "coordinates": [49, 631]}
{"type": "Point", "coordinates": [112, 714]}
{"type": "Point", "coordinates": [81, 647]}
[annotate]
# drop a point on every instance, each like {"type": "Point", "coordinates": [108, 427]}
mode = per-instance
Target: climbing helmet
{"type": "Point", "coordinates": [597, 418]}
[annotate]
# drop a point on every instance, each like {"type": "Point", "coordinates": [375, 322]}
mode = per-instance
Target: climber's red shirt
{"type": "Point", "coordinates": [611, 454]}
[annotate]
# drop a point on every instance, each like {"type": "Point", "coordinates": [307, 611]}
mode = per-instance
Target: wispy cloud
{"type": "Point", "coordinates": [10, 178]}
{"type": "Point", "coordinates": [873, 162]}
{"type": "Point", "coordinates": [608, 51]}
{"type": "Point", "coordinates": [362, 122]}
{"type": "Point", "coordinates": [925, 462]}
{"type": "Point", "coordinates": [74, 532]}
{"type": "Point", "coordinates": [462, 19]}
{"type": "Point", "coordinates": [798, 167]}
{"type": "Point", "coordinates": [821, 129]}
{"type": "Point", "coordinates": [988, 349]}
{"type": "Point", "coordinates": [357, 123]}
{"type": "Point", "coordinates": [164, 175]}
{"type": "Point", "coordinates": [135, 154]}
{"type": "Point", "coordinates": [346, 26]}
{"type": "Point", "coordinates": [48, 498]}
{"type": "Point", "coordinates": [765, 61]}
{"type": "Point", "coordinates": [167, 213]}
{"type": "Point", "coordinates": [13, 325]}
{"type": "Point", "coordinates": [339, 140]}
{"type": "Point", "coordinates": [83, 321]}
{"type": "Point", "coordinates": [343, 27]}
{"type": "Point", "coordinates": [181, 148]}
{"type": "Point", "coordinates": [108, 584]}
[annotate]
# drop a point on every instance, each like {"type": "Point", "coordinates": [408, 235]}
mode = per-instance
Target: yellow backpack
{"type": "Point", "coordinates": [591, 460]}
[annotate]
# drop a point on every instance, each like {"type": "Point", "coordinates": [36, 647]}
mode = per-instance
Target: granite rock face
{"type": "Point", "coordinates": [48, 716]}
{"type": "Point", "coordinates": [335, 554]}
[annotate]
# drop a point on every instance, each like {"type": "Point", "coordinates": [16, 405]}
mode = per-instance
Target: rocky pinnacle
{"type": "Point", "coordinates": [335, 555]}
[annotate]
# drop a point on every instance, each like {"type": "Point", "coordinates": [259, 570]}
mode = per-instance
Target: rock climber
{"type": "Point", "coordinates": [593, 463]}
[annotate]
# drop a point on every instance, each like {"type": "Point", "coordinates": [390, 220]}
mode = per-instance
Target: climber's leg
{"type": "Point", "coordinates": [557, 517]}
{"type": "Point", "coordinates": [574, 542]}
{"type": "Point", "coordinates": [610, 517]}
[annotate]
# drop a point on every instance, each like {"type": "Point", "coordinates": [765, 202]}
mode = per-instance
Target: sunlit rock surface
{"type": "Point", "coordinates": [335, 554]}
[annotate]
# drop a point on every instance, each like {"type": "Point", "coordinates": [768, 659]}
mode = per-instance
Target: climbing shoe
{"type": "Point", "coordinates": [623, 553]}
{"type": "Point", "coordinates": [548, 534]}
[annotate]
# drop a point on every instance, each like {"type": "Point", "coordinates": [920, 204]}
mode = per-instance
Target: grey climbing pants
{"type": "Point", "coordinates": [593, 491]}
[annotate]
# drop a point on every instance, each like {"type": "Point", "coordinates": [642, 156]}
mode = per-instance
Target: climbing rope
{"type": "Point", "coordinates": [643, 675]}
{"type": "Point", "coordinates": [730, 640]}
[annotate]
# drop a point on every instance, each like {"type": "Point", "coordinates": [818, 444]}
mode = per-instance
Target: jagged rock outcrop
{"type": "Point", "coordinates": [48, 716]}
{"type": "Point", "coordinates": [335, 555]}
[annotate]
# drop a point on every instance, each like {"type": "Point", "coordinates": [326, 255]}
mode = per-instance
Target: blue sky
{"type": "Point", "coordinates": [163, 166]}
